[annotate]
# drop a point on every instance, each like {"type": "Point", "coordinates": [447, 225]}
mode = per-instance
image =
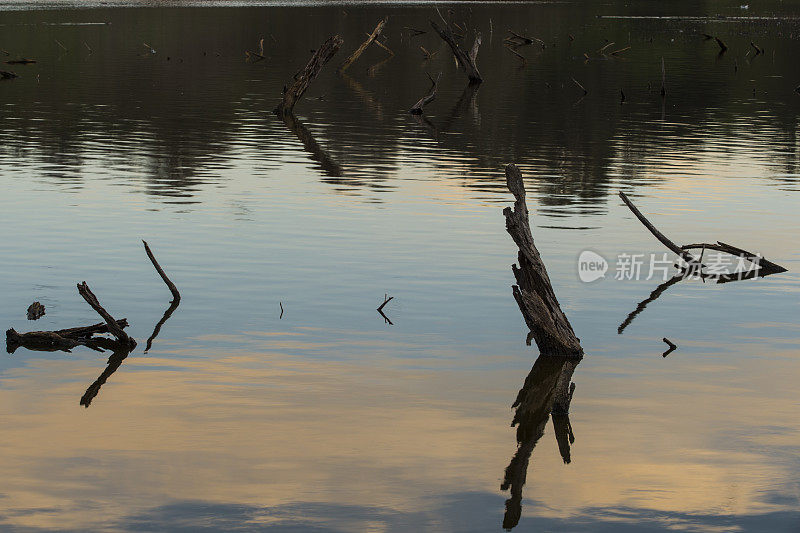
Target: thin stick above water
{"type": "Point", "coordinates": [176, 296]}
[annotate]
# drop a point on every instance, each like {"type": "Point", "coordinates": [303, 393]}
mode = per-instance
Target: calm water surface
{"type": "Point", "coordinates": [329, 418]}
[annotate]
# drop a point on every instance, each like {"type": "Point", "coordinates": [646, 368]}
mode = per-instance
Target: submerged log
{"type": "Point", "coordinates": [303, 79]}
{"type": "Point", "coordinates": [466, 61]}
{"type": "Point", "coordinates": [23, 61]}
{"type": "Point", "coordinates": [39, 341]}
{"type": "Point", "coordinates": [59, 340]}
{"type": "Point", "coordinates": [360, 50]}
{"type": "Point", "coordinates": [6, 75]}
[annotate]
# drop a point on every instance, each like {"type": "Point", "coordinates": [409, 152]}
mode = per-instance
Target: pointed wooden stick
{"type": "Point", "coordinates": [360, 50]}
{"type": "Point", "coordinates": [113, 327]}
{"type": "Point", "coordinates": [176, 296]}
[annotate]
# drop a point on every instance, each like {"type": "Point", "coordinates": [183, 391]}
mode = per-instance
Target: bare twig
{"type": "Point", "coordinates": [671, 349]}
{"type": "Point", "coordinates": [176, 296]}
{"type": "Point", "coordinates": [360, 50]}
{"type": "Point", "coordinates": [113, 327]}
{"type": "Point", "coordinates": [417, 108]}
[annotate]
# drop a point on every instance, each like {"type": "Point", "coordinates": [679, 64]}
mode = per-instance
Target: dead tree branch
{"type": "Point", "coordinates": [428, 98]}
{"type": "Point", "coordinates": [303, 80]}
{"type": "Point", "coordinates": [360, 50]}
{"type": "Point", "coordinates": [534, 292]}
{"type": "Point", "coordinates": [176, 296]}
{"type": "Point", "coordinates": [113, 327]}
{"type": "Point", "coordinates": [465, 61]}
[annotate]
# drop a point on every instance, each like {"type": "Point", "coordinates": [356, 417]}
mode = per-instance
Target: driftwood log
{"type": "Point", "coordinates": [60, 340]}
{"type": "Point", "coordinates": [360, 50]}
{"type": "Point", "coordinates": [765, 267]}
{"type": "Point", "coordinates": [303, 79]}
{"type": "Point", "coordinates": [466, 61]}
{"type": "Point", "coordinates": [417, 108]}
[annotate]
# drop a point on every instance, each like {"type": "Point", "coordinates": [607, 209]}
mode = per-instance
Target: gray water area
{"type": "Point", "coordinates": [329, 418]}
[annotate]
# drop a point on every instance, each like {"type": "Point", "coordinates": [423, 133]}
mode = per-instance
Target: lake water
{"type": "Point", "coordinates": [330, 418]}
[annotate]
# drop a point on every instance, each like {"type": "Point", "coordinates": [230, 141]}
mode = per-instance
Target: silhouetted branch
{"type": "Point", "coordinates": [303, 80]}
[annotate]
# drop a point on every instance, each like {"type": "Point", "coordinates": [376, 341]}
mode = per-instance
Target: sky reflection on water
{"type": "Point", "coordinates": [329, 418]}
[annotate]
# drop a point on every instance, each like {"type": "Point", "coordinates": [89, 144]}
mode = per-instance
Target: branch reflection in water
{"type": "Point", "coordinates": [548, 389]}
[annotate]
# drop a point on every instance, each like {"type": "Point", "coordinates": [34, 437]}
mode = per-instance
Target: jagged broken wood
{"type": "Point", "coordinates": [303, 79]}
{"type": "Point", "coordinates": [465, 60]}
{"type": "Point", "coordinates": [548, 388]}
{"type": "Point", "coordinates": [534, 292]}
{"type": "Point", "coordinates": [360, 50]}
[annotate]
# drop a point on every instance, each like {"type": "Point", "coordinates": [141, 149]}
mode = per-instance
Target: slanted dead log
{"type": "Point", "coordinates": [756, 48]}
{"type": "Point", "coordinates": [548, 388]}
{"type": "Point", "coordinates": [303, 80]}
{"type": "Point", "coordinates": [765, 267]}
{"type": "Point", "coordinates": [113, 327]}
{"type": "Point", "coordinates": [686, 256]}
{"type": "Point", "coordinates": [360, 50]}
{"type": "Point", "coordinates": [534, 292]}
{"type": "Point", "coordinates": [417, 108]}
{"type": "Point", "coordinates": [722, 47]}
{"type": "Point", "coordinates": [465, 61]}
